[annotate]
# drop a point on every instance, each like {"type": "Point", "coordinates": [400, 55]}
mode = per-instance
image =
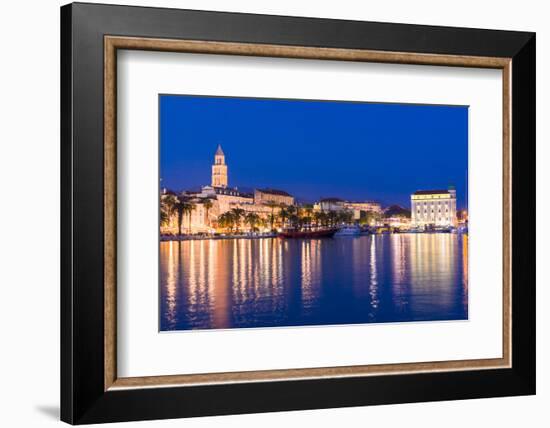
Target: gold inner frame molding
{"type": "Point", "coordinates": [113, 43]}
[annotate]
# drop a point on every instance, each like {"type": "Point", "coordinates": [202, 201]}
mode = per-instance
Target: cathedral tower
{"type": "Point", "coordinates": [219, 169]}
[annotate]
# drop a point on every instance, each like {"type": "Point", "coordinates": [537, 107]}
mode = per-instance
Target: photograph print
{"type": "Point", "coordinates": [289, 212]}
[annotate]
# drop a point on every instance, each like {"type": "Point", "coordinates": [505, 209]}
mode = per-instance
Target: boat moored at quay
{"type": "Point", "coordinates": [348, 230]}
{"type": "Point", "coordinates": [308, 233]}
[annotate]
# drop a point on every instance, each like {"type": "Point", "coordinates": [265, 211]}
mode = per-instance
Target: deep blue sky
{"type": "Point", "coordinates": [314, 149]}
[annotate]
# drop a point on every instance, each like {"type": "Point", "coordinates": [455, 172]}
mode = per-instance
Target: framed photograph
{"type": "Point", "coordinates": [266, 213]}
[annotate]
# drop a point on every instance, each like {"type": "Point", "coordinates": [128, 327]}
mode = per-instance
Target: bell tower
{"type": "Point", "coordinates": [219, 169]}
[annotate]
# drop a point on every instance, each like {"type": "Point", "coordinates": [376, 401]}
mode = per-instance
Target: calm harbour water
{"type": "Point", "coordinates": [268, 282]}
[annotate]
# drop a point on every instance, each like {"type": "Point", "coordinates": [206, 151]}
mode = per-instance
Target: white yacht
{"type": "Point", "coordinates": [353, 230]}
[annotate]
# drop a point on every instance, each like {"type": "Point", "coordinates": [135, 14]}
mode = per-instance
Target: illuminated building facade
{"type": "Point", "coordinates": [263, 196]}
{"type": "Point", "coordinates": [211, 201]}
{"type": "Point", "coordinates": [363, 207]}
{"type": "Point", "coordinates": [330, 204]}
{"type": "Point", "coordinates": [357, 208]}
{"type": "Point", "coordinates": [218, 198]}
{"type": "Point", "coordinates": [434, 208]}
{"type": "Point", "coordinates": [219, 169]}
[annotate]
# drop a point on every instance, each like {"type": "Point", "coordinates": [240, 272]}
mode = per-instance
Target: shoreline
{"type": "Point", "coordinates": [204, 238]}
{"type": "Point", "coordinates": [208, 237]}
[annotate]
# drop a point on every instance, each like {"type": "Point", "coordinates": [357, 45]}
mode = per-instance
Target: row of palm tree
{"type": "Point", "coordinates": [181, 206]}
{"type": "Point", "coordinates": [234, 218]}
{"type": "Point", "coordinates": [306, 217]}
{"type": "Point", "coordinates": [292, 216]}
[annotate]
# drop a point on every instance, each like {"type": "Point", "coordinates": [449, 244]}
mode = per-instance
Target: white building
{"type": "Point", "coordinates": [434, 208]}
{"type": "Point", "coordinates": [330, 204]}
{"type": "Point", "coordinates": [264, 196]}
{"type": "Point", "coordinates": [206, 205]}
{"type": "Point", "coordinates": [360, 208]}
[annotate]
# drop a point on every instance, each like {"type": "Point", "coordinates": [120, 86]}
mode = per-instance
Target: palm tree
{"type": "Point", "coordinates": [308, 208]}
{"type": "Point", "coordinates": [252, 219]}
{"type": "Point", "coordinates": [207, 204]}
{"type": "Point", "coordinates": [180, 206]}
{"type": "Point", "coordinates": [345, 216]}
{"type": "Point", "coordinates": [332, 217]}
{"type": "Point", "coordinates": [292, 210]}
{"type": "Point", "coordinates": [320, 218]}
{"type": "Point", "coordinates": [283, 214]}
{"type": "Point", "coordinates": [272, 217]}
{"type": "Point", "coordinates": [306, 221]}
{"type": "Point", "coordinates": [325, 219]}
{"type": "Point", "coordinates": [187, 207]}
{"type": "Point", "coordinates": [164, 217]}
{"type": "Point", "coordinates": [238, 213]}
{"type": "Point", "coordinates": [293, 219]}
{"type": "Point", "coordinates": [226, 220]}
{"type": "Point", "coordinates": [369, 218]}
{"type": "Point", "coordinates": [167, 208]}
{"type": "Point", "coordinates": [261, 222]}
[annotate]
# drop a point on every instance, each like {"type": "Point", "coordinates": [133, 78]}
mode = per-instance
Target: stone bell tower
{"type": "Point", "coordinates": [219, 169]}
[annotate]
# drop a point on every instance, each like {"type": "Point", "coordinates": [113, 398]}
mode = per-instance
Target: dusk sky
{"type": "Point", "coordinates": [315, 149]}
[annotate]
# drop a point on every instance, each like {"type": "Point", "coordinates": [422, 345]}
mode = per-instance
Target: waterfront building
{"type": "Point", "coordinates": [330, 204]}
{"type": "Point", "coordinates": [211, 201]}
{"type": "Point", "coordinates": [434, 208]}
{"type": "Point", "coordinates": [215, 199]}
{"type": "Point", "coordinates": [359, 209]}
{"type": "Point", "coordinates": [197, 220]}
{"type": "Point", "coordinates": [398, 222]}
{"type": "Point", "coordinates": [227, 198]}
{"type": "Point", "coordinates": [264, 196]}
{"type": "Point", "coordinates": [199, 217]}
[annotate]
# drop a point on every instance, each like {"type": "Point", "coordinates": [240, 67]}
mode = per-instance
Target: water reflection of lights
{"type": "Point", "coordinates": [172, 280]}
{"type": "Point", "coordinates": [398, 258]}
{"type": "Point", "coordinates": [465, 268]}
{"type": "Point", "coordinates": [432, 262]}
{"type": "Point", "coordinates": [189, 254]}
{"type": "Point", "coordinates": [360, 257]}
{"type": "Point", "coordinates": [201, 279]}
{"type": "Point", "coordinates": [270, 282]}
{"type": "Point", "coordinates": [277, 275]}
{"type": "Point", "coordinates": [217, 285]}
{"type": "Point", "coordinates": [399, 245]}
{"type": "Point", "coordinates": [373, 286]}
{"type": "Point", "coordinates": [256, 277]}
{"type": "Point", "coordinates": [306, 265]}
{"type": "Point", "coordinates": [310, 272]}
{"type": "Point", "coordinates": [236, 286]}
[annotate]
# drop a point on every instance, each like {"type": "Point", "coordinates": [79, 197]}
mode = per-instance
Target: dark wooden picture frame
{"type": "Point", "coordinates": [90, 37]}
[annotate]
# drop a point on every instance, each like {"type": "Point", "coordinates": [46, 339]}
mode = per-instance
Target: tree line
{"type": "Point", "coordinates": [281, 215]}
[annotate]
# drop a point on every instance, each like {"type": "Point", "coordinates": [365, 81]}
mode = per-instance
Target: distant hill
{"type": "Point", "coordinates": [397, 211]}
